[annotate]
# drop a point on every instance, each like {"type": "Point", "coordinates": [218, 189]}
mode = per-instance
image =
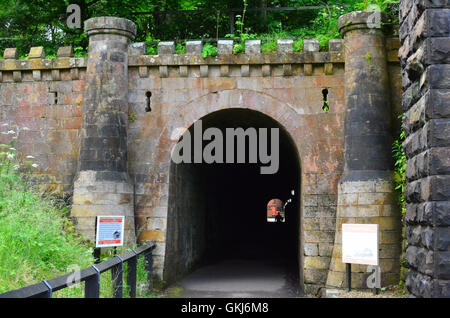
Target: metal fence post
{"type": "Point", "coordinates": [50, 289]}
{"type": "Point", "coordinates": [131, 277]}
{"type": "Point", "coordinates": [117, 279]}
{"type": "Point", "coordinates": [149, 267]}
{"type": "Point", "coordinates": [348, 268]}
{"type": "Point", "coordinates": [92, 285]}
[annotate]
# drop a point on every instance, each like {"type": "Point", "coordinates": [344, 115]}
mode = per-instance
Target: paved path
{"type": "Point", "coordinates": [239, 279]}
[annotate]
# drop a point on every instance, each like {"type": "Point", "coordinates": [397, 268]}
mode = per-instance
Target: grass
{"type": "Point", "coordinates": [36, 243]}
{"type": "Point", "coordinates": [106, 285]}
{"type": "Point", "coordinates": [37, 240]}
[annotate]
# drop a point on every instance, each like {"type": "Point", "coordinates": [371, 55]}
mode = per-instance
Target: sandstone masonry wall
{"type": "Point", "coordinates": [182, 89]}
{"type": "Point", "coordinates": [45, 96]}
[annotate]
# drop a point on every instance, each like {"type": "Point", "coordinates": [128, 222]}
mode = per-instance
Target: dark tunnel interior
{"type": "Point", "coordinates": [219, 211]}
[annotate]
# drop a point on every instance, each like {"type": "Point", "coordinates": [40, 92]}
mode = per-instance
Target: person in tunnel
{"type": "Point", "coordinates": [278, 217]}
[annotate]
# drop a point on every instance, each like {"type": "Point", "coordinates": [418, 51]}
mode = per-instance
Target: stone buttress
{"type": "Point", "coordinates": [102, 185]}
{"type": "Point", "coordinates": [365, 190]}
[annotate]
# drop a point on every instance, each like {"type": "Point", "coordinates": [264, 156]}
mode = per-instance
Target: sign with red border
{"type": "Point", "coordinates": [109, 231]}
{"type": "Point", "coordinates": [360, 244]}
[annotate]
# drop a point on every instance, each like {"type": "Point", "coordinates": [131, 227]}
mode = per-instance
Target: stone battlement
{"type": "Point", "coordinates": [285, 59]}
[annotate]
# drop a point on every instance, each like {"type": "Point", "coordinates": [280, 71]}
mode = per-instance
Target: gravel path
{"type": "Point", "coordinates": [365, 294]}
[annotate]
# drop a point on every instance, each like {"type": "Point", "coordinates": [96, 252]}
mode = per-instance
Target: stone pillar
{"type": "Point", "coordinates": [365, 190]}
{"type": "Point", "coordinates": [425, 59]}
{"type": "Point", "coordinates": [102, 185]}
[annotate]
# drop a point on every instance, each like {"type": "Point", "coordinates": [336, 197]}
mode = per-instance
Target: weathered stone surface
{"type": "Point", "coordinates": [166, 48]}
{"type": "Point", "coordinates": [436, 76]}
{"type": "Point", "coordinates": [424, 57]}
{"type": "Point", "coordinates": [103, 154]}
{"type": "Point", "coordinates": [194, 47]}
{"type": "Point", "coordinates": [367, 146]}
{"type": "Point", "coordinates": [311, 249]}
{"type": "Point", "coordinates": [252, 46]}
{"type": "Point", "coordinates": [315, 276]}
{"type": "Point", "coordinates": [224, 47]}
{"type": "Point", "coordinates": [110, 25]}
{"type": "Point", "coordinates": [285, 46]}
{"type": "Point", "coordinates": [138, 48]}
{"type": "Point", "coordinates": [65, 51]}
{"type": "Point", "coordinates": [311, 45]}
{"type": "Point", "coordinates": [10, 53]}
{"type": "Point", "coordinates": [36, 53]}
{"type": "Point", "coordinates": [335, 45]}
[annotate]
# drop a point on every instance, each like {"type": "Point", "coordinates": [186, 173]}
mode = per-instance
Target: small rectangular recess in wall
{"type": "Point", "coordinates": [277, 70]}
{"type": "Point", "coordinates": [234, 71]}
{"type": "Point", "coordinates": [46, 75]}
{"type": "Point", "coordinates": [318, 69]}
{"type": "Point", "coordinates": [27, 77]}
{"type": "Point", "coordinates": [173, 71]}
{"type": "Point", "coordinates": [153, 71]}
{"type": "Point", "coordinates": [297, 69]}
{"type": "Point", "coordinates": [52, 98]}
{"type": "Point", "coordinates": [214, 71]}
{"type": "Point", "coordinates": [255, 70]}
{"type": "Point", "coordinates": [194, 71]}
{"type": "Point", "coordinates": [7, 77]}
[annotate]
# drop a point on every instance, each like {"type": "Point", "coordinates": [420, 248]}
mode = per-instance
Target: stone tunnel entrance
{"type": "Point", "coordinates": [217, 217]}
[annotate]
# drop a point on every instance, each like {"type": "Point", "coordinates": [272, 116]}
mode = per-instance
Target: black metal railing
{"type": "Point", "coordinates": [91, 277]}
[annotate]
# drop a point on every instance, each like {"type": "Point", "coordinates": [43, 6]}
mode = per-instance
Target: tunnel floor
{"type": "Point", "coordinates": [239, 278]}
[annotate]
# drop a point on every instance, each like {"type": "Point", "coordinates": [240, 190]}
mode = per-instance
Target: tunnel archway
{"type": "Point", "coordinates": [218, 211]}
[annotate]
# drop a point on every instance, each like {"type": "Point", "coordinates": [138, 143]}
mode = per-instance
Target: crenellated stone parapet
{"type": "Point", "coordinates": [285, 62]}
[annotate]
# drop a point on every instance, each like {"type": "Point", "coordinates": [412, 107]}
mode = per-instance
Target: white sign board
{"type": "Point", "coordinates": [360, 244]}
{"type": "Point", "coordinates": [109, 231]}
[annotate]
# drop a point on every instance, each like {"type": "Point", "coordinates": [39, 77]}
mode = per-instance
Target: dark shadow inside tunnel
{"type": "Point", "coordinates": [218, 211]}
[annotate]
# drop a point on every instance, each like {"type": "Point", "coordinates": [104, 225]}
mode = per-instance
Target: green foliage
{"type": "Point", "coordinates": [298, 45]}
{"type": "Point", "coordinates": [37, 240]}
{"type": "Point", "coordinates": [79, 51]}
{"type": "Point", "coordinates": [152, 49]}
{"type": "Point", "coordinates": [381, 5]}
{"type": "Point", "coordinates": [400, 169]}
{"type": "Point", "coordinates": [27, 23]}
{"type": "Point", "coordinates": [269, 46]}
{"type": "Point", "coordinates": [209, 50]}
{"type": "Point", "coordinates": [180, 48]}
{"type": "Point", "coordinates": [151, 45]}
{"type": "Point", "coordinates": [239, 47]}
{"type": "Point", "coordinates": [400, 163]}
{"type": "Point", "coordinates": [326, 106]}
